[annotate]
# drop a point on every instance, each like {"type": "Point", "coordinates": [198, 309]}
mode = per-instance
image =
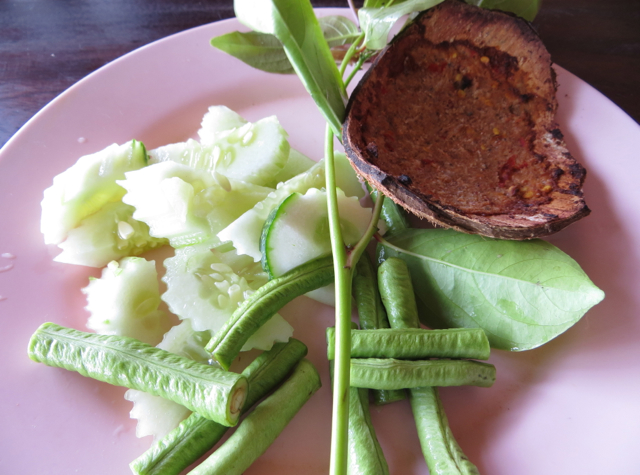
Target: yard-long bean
{"type": "Point", "coordinates": [396, 291]}
{"type": "Point", "coordinates": [439, 448]}
{"type": "Point", "coordinates": [195, 435]}
{"type": "Point", "coordinates": [388, 373]}
{"type": "Point", "coordinates": [263, 424]}
{"type": "Point", "coordinates": [371, 315]}
{"type": "Point", "coordinates": [415, 343]}
{"type": "Point", "coordinates": [255, 311]}
{"type": "Point", "coordinates": [365, 453]}
{"type": "Point", "coordinates": [213, 393]}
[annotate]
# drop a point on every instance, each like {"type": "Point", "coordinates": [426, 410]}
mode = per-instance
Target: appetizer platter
{"type": "Point", "coordinates": [546, 400]}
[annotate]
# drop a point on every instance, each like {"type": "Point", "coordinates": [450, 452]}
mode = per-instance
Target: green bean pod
{"type": "Point", "coordinates": [371, 312]}
{"type": "Point", "coordinates": [440, 449]}
{"type": "Point", "coordinates": [255, 311]}
{"type": "Point", "coordinates": [195, 435]}
{"type": "Point", "coordinates": [364, 454]}
{"type": "Point", "coordinates": [415, 343]}
{"type": "Point", "coordinates": [388, 373]}
{"type": "Point", "coordinates": [371, 315]}
{"type": "Point", "coordinates": [213, 393]}
{"type": "Point", "coordinates": [396, 291]}
{"type": "Point", "coordinates": [262, 425]}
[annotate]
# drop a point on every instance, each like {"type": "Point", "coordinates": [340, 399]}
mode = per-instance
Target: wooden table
{"type": "Point", "coordinates": [46, 46]}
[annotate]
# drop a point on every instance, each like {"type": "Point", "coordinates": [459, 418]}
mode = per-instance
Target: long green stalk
{"type": "Point", "coordinates": [340, 415]}
{"type": "Point", "coordinates": [343, 277]}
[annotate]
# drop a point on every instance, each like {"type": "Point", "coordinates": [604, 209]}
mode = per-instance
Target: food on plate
{"type": "Point", "coordinates": [258, 309]}
{"type": "Point", "coordinates": [254, 224]}
{"type": "Point", "coordinates": [439, 447]}
{"type": "Point", "coordinates": [125, 301]}
{"type": "Point", "coordinates": [456, 122]}
{"type": "Point", "coordinates": [194, 436]}
{"type": "Point", "coordinates": [415, 343]}
{"type": "Point", "coordinates": [260, 428]}
{"type": "Point", "coordinates": [371, 312]}
{"type": "Point", "coordinates": [123, 361]}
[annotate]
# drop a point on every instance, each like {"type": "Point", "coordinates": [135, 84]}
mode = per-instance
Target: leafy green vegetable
{"type": "Point", "coordinates": [259, 50]}
{"type": "Point", "coordinates": [338, 30]}
{"type": "Point", "coordinates": [294, 23]}
{"type": "Point", "coordinates": [265, 52]}
{"type": "Point", "coordinates": [522, 294]}
{"type": "Point", "coordinates": [526, 9]}
{"type": "Point", "coordinates": [376, 3]}
{"type": "Point", "coordinates": [376, 23]}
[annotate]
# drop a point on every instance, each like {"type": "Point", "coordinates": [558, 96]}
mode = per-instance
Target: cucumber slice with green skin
{"type": "Point", "coordinates": [124, 301]}
{"type": "Point", "coordinates": [254, 152]}
{"type": "Point", "coordinates": [218, 119]}
{"type": "Point", "coordinates": [107, 235]}
{"type": "Point", "coordinates": [207, 285]}
{"type": "Point", "coordinates": [185, 205]}
{"type": "Point", "coordinates": [86, 186]}
{"type": "Point", "coordinates": [297, 231]}
{"type": "Point", "coordinates": [245, 232]}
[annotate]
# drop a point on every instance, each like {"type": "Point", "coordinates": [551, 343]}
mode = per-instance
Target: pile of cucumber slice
{"type": "Point", "coordinates": [235, 207]}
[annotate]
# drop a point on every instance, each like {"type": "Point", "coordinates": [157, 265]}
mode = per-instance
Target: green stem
{"type": "Point", "coordinates": [343, 277]}
{"type": "Point", "coordinates": [361, 245]}
{"type": "Point", "coordinates": [349, 54]}
{"type": "Point", "coordinates": [355, 69]}
{"type": "Point", "coordinates": [340, 421]}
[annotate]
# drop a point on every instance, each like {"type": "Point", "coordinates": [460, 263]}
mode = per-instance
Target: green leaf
{"type": "Point", "coordinates": [265, 52]}
{"type": "Point", "coordinates": [338, 30]}
{"type": "Point", "coordinates": [294, 23]}
{"type": "Point", "coordinates": [374, 3]}
{"type": "Point", "coordinates": [258, 50]}
{"type": "Point", "coordinates": [521, 293]}
{"type": "Point", "coordinates": [377, 22]}
{"type": "Point", "coordinates": [526, 9]}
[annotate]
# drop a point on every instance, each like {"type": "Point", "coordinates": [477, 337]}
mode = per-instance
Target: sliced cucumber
{"type": "Point", "coordinates": [125, 299]}
{"type": "Point", "coordinates": [86, 186]}
{"type": "Point", "coordinates": [107, 235]}
{"type": "Point", "coordinates": [185, 205]}
{"type": "Point", "coordinates": [217, 120]}
{"type": "Point", "coordinates": [298, 231]}
{"type": "Point", "coordinates": [254, 152]}
{"type": "Point", "coordinates": [245, 232]}
{"type": "Point", "coordinates": [207, 285]}
{"type": "Point", "coordinates": [296, 163]}
{"type": "Point", "coordinates": [346, 178]}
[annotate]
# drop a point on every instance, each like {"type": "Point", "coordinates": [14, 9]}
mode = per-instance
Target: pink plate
{"type": "Point", "coordinates": [570, 407]}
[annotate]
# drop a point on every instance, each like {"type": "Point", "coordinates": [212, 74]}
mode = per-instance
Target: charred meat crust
{"type": "Point", "coordinates": [455, 121]}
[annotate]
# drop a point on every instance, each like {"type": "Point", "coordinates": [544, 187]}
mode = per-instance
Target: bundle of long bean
{"type": "Point", "coordinates": [196, 434]}
{"type": "Point", "coordinates": [374, 365]}
{"type": "Point", "coordinates": [371, 312]}
{"type": "Point", "coordinates": [441, 451]}
{"type": "Point", "coordinates": [216, 396]}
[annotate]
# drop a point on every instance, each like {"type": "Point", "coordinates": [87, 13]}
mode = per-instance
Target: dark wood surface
{"type": "Point", "coordinates": [46, 46]}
